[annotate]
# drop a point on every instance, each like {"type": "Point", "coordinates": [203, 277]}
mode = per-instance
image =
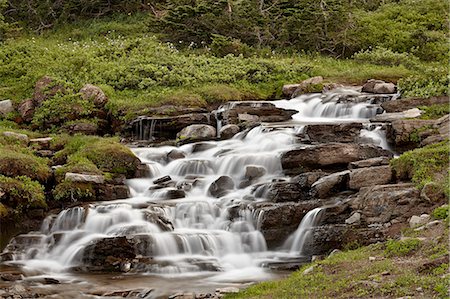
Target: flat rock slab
{"type": "Point", "coordinates": [329, 155]}
{"type": "Point", "coordinates": [84, 178]}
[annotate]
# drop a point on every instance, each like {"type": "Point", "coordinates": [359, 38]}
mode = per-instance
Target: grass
{"type": "Point", "coordinates": [434, 111]}
{"type": "Point", "coordinates": [425, 165]}
{"type": "Point", "coordinates": [395, 272]}
{"type": "Point", "coordinates": [136, 70]}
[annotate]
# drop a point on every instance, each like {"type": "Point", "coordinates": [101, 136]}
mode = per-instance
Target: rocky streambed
{"type": "Point", "coordinates": [238, 196]}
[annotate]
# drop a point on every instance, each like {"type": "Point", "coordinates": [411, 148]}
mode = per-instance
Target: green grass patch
{"type": "Point", "coordinates": [21, 193]}
{"type": "Point", "coordinates": [425, 165]}
{"type": "Point", "coordinates": [434, 111]}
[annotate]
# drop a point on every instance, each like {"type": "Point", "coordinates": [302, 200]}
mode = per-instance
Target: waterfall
{"type": "Point", "coordinates": [181, 226]}
{"type": "Point", "coordinates": [296, 243]}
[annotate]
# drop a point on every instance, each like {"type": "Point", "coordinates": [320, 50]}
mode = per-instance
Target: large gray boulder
{"type": "Point", "coordinates": [228, 131]}
{"type": "Point", "coordinates": [197, 132]}
{"type": "Point", "coordinates": [378, 86]}
{"type": "Point", "coordinates": [293, 90]}
{"type": "Point", "coordinates": [221, 186]}
{"type": "Point", "coordinates": [6, 107]}
{"type": "Point", "coordinates": [370, 176]}
{"type": "Point", "coordinates": [330, 155]}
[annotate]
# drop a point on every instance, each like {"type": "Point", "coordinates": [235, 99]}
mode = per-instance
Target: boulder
{"type": "Point", "coordinates": [221, 186]}
{"type": "Point", "coordinates": [389, 117]}
{"type": "Point", "coordinates": [175, 155]}
{"type": "Point", "coordinates": [162, 180]}
{"type": "Point", "coordinates": [18, 136]}
{"type": "Point", "coordinates": [400, 131]}
{"type": "Point", "coordinates": [84, 178]}
{"type": "Point", "coordinates": [330, 184]}
{"type": "Point", "coordinates": [355, 219]}
{"type": "Point", "coordinates": [107, 192]}
{"type": "Point", "coordinates": [313, 84]}
{"type": "Point", "coordinates": [197, 132]}
{"type": "Point", "coordinates": [348, 132]}
{"type": "Point", "coordinates": [108, 254]}
{"type": "Point", "coordinates": [26, 110]}
{"type": "Point", "coordinates": [45, 89]}
{"type": "Point", "coordinates": [6, 107]}
{"type": "Point", "coordinates": [330, 155]}
{"type": "Point", "coordinates": [95, 94]}
{"type": "Point", "coordinates": [293, 90]}
{"type": "Point", "coordinates": [400, 105]}
{"type": "Point", "coordinates": [228, 131]}
{"type": "Point", "coordinates": [370, 176]}
{"type": "Point", "coordinates": [298, 189]}
{"type": "Point", "coordinates": [156, 216]}
{"type": "Point", "coordinates": [416, 221]}
{"type": "Point", "coordinates": [202, 146]}
{"type": "Point", "coordinates": [174, 193]}
{"type": "Point", "coordinates": [252, 112]}
{"type": "Point", "coordinates": [378, 86]}
{"type": "Point", "coordinates": [253, 172]}
{"type": "Point", "coordinates": [382, 203]}
{"type": "Point", "coordinates": [378, 161]}
{"type": "Point", "coordinates": [438, 133]}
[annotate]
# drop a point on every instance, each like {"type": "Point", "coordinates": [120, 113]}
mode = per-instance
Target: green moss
{"type": "Point", "coordinates": [77, 164]}
{"type": "Point", "coordinates": [415, 135]}
{"type": "Point", "coordinates": [424, 165]}
{"type": "Point", "coordinates": [22, 193]}
{"type": "Point", "coordinates": [110, 156]}
{"type": "Point", "coordinates": [70, 191]}
{"type": "Point", "coordinates": [21, 162]}
{"type": "Point", "coordinates": [3, 211]}
{"type": "Point", "coordinates": [402, 247]}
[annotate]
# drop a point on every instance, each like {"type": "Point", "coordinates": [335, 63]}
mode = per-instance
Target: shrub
{"type": "Point", "coordinates": [69, 191]}
{"type": "Point", "coordinates": [21, 193]}
{"type": "Point", "coordinates": [69, 107]}
{"type": "Point", "coordinates": [430, 82]}
{"type": "Point", "coordinates": [402, 247]}
{"type": "Point", "coordinates": [441, 212]}
{"type": "Point", "coordinates": [434, 111]}
{"type": "Point", "coordinates": [383, 56]}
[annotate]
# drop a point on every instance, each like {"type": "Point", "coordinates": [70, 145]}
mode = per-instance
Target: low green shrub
{"type": "Point", "coordinates": [441, 212]}
{"type": "Point", "coordinates": [383, 56]}
{"type": "Point", "coordinates": [70, 191]}
{"type": "Point", "coordinates": [402, 247]}
{"type": "Point", "coordinates": [430, 82]}
{"type": "Point", "coordinates": [21, 193]}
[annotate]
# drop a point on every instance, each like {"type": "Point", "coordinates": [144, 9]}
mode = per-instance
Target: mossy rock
{"type": "Point", "coordinates": [69, 191]}
{"type": "Point", "coordinates": [15, 162]}
{"type": "Point", "coordinates": [113, 157]}
{"type": "Point", "coordinates": [21, 192]}
{"type": "Point", "coordinates": [76, 164]}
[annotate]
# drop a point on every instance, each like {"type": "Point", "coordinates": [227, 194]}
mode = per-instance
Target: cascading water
{"type": "Point", "coordinates": [192, 232]}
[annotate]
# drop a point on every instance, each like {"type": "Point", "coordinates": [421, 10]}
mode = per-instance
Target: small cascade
{"type": "Point", "coordinates": [144, 128]}
{"type": "Point", "coordinates": [337, 106]}
{"type": "Point", "coordinates": [375, 134]}
{"type": "Point", "coordinates": [295, 244]}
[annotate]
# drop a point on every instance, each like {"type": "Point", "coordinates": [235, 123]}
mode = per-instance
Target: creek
{"type": "Point", "coordinates": [197, 230]}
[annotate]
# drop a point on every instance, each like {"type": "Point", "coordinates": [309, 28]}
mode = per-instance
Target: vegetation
{"type": "Point", "coordinates": [20, 194]}
{"type": "Point", "coordinates": [424, 165]}
{"type": "Point", "coordinates": [434, 111]}
{"type": "Point", "coordinates": [396, 268]}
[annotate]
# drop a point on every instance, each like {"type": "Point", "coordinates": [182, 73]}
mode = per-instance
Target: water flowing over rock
{"type": "Point", "coordinates": [224, 211]}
